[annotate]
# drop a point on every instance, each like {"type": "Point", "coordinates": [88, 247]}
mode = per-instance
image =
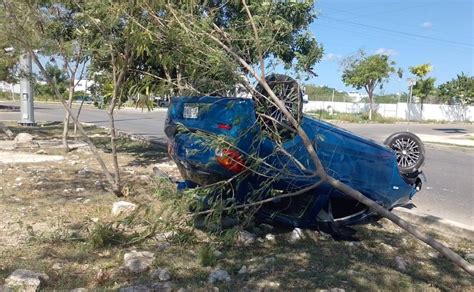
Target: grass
{"type": "Point", "coordinates": [73, 238]}
{"type": "Point", "coordinates": [353, 118]}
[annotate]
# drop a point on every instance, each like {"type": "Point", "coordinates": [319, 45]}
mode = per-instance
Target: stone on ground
{"type": "Point", "coordinates": [138, 261]}
{"type": "Point", "coordinates": [25, 280]}
{"type": "Point", "coordinates": [122, 207]}
{"type": "Point", "coordinates": [296, 235]}
{"type": "Point", "coordinates": [23, 138]}
{"type": "Point", "coordinates": [246, 238]}
{"type": "Point", "coordinates": [161, 274]}
{"type": "Point", "coordinates": [401, 263]}
{"type": "Point", "coordinates": [219, 276]}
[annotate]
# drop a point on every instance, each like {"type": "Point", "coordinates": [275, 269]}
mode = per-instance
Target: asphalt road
{"type": "Point", "coordinates": [448, 192]}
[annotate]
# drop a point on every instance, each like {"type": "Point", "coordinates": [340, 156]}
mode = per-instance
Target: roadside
{"type": "Point", "coordinates": [56, 218]}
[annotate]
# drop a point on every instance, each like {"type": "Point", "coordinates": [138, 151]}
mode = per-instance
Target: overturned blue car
{"type": "Point", "coordinates": [247, 146]}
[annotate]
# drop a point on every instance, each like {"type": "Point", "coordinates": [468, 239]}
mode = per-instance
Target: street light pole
{"type": "Point", "coordinates": [26, 91]}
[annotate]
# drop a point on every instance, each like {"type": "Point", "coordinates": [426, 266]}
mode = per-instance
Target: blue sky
{"type": "Point", "coordinates": [412, 32]}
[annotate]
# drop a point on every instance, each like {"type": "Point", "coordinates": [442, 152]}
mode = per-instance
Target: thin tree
{"type": "Point", "coordinates": [424, 86]}
{"type": "Point", "coordinates": [368, 73]}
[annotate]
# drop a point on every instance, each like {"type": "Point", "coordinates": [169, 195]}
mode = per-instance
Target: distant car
{"type": "Point", "coordinates": [86, 98]}
{"type": "Point", "coordinates": [161, 101]}
{"type": "Point", "coordinates": [388, 175]}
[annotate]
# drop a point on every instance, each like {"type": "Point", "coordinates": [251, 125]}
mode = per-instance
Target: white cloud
{"type": "Point", "coordinates": [331, 57]}
{"type": "Point", "coordinates": [426, 24]}
{"type": "Point", "coordinates": [387, 52]}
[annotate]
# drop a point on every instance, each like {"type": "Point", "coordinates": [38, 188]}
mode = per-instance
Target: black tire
{"type": "Point", "coordinates": [409, 149]}
{"type": "Point", "coordinates": [271, 118]}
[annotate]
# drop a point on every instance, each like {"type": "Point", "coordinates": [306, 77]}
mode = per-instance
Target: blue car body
{"type": "Point", "coordinates": [363, 164]}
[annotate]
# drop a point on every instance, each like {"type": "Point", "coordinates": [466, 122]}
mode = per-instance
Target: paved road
{"type": "Point", "coordinates": [448, 192]}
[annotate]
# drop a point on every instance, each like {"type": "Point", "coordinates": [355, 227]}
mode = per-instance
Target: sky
{"type": "Point", "coordinates": [411, 32]}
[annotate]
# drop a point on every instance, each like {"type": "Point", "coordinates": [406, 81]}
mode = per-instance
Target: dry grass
{"type": "Point", "coordinates": [47, 229]}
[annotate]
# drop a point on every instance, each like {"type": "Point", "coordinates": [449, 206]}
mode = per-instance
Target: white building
{"type": "Point", "coordinates": [83, 85]}
{"type": "Point", "coordinates": [356, 96]}
{"type": "Point", "coordinates": [7, 87]}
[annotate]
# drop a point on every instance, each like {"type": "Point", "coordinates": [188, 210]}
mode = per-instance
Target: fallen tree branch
{"type": "Point", "coordinates": [320, 171]}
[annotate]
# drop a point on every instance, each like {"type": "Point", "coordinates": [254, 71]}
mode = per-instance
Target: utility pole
{"type": "Point", "coordinates": [26, 91]}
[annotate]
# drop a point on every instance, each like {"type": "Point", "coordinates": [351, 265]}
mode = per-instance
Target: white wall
{"type": "Point", "coordinates": [439, 112]}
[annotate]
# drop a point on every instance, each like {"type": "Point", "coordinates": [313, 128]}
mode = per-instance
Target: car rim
{"type": "Point", "coordinates": [407, 151]}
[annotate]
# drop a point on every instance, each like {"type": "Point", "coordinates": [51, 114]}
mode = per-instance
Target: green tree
{"type": "Point", "coordinates": [55, 73]}
{"type": "Point", "coordinates": [459, 89]}
{"type": "Point", "coordinates": [368, 72]}
{"type": "Point", "coordinates": [424, 86]}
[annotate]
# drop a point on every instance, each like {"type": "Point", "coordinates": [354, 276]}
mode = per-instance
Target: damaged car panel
{"type": "Point", "coordinates": [213, 139]}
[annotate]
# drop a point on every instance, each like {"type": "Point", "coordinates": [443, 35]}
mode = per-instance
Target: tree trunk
{"type": "Point", "coordinates": [88, 140]}
{"type": "Point", "coordinates": [113, 144]}
{"type": "Point", "coordinates": [370, 105]}
{"type": "Point", "coordinates": [78, 114]}
{"type": "Point", "coordinates": [67, 117]}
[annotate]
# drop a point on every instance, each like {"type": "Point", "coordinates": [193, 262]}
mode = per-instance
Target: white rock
{"type": "Point", "coordinates": [79, 290]}
{"type": "Point", "coordinates": [245, 237]}
{"type": "Point", "coordinates": [25, 280]}
{"type": "Point", "coordinates": [401, 263]}
{"type": "Point", "coordinates": [386, 246]}
{"type": "Point", "coordinates": [18, 179]}
{"type": "Point", "coordinates": [218, 254]}
{"type": "Point", "coordinates": [23, 138]}
{"type": "Point", "coordinates": [78, 190]}
{"type": "Point", "coordinates": [270, 237]}
{"type": "Point", "coordinates": [296, 235]}
{"type": "Point", "coordinates": [85, 171]}
{"type": "Point", "coordinates": [122, 207]}
{"type": "Point", "coordinates": [165, 235]}
{"type": "Point", "coordinates": [243, 270]}
{"type": "Point", "coordinates": [161, 274]}
{"type": "Point", "coordinates": [138, 261]}
{"type": "Point", "coordinates": [353, 243]}
{"type": "Point", "coordinates": [41, 151]}
{"type": "Point", "coordinates": [219, 276]}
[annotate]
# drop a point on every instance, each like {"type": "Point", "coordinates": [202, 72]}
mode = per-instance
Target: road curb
{"type": "Point", "coordinates": [444, 226]}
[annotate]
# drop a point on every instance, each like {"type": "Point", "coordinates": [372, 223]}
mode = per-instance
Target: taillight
{"type": "Point", "coordinates": [224, 126]}
{"type": "Point", "coordinates": [230, 160]}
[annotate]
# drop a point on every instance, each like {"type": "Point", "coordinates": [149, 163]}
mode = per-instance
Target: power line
{"type": "Point", "coordinates": [397, 32]}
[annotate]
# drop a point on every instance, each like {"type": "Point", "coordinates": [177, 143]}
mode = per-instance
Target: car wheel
{"type": "Point", "coordinates": [409, 150]}
{"type": "Point", "coordinates": [271, 118]}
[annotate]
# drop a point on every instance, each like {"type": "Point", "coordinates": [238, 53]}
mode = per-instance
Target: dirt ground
{"type": "Point", "coordinates": [49, 211]}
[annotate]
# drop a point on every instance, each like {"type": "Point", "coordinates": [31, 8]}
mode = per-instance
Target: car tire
{"type": "Point", "coordinates": [271, 117]}
{"type": "Point", "coordinates": [409, 149]}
